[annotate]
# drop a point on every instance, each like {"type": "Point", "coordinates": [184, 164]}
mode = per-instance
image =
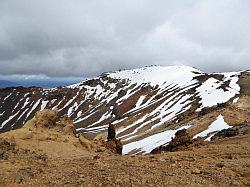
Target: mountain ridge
{"type": "Point", "coordinates": [140, 102]}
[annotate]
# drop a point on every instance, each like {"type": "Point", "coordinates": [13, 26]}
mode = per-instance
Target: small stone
{"type": "Point", "coordinates": [100, 149]}
{"type": "Point", "coordinates": [173, 165]}
{"type": "Point", "coordinates": [162, 159]}
{"type": "Point", "coordinates": [96, 157]}
{"type": "Point", "coordinates": [206, 173]}
{"type": "Point", "coordinates": [196, 171]}
{"type": "Point", "coordinates": [18, 179]}
{"type": "Point", "coordinates": [81, 176]}
{"type": "Point", "coordinates": [220, 165]}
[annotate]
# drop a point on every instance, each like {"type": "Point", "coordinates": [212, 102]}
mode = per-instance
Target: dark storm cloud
{"type": "Point", "coordinates": [84, 38]}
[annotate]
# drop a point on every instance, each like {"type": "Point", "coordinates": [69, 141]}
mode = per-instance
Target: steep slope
{"type": "Point", "coordinates": [142, 103]}
{"type": "Point", "coordinates": [51, 135]}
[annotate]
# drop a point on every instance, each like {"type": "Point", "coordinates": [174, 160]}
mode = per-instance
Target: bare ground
{"type": "Point", "coordinates": [222, 163]}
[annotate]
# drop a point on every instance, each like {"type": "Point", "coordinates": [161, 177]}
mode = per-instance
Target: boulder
{"type": "Point", "coordinates": [181, 139]}
{"type": "Point", "coordinates": [115, 146]}
{"type": "Point", "coordinates": [233, 131]}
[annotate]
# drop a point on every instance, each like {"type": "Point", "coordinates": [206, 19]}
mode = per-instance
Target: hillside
{"type": "Point", "coordinates": [54, 137]}
{"type": "Point", "coordinates": [44, 153]}
{"type": "Point", "coordinates": [146, 105]}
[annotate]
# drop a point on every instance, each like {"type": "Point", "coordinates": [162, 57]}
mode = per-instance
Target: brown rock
{"type": "Point", "coordinates": [115, 146]}
{"type": "Point", "coordinates": [196, 171]}
{"type": "Point", "coordinates": [181, 139]}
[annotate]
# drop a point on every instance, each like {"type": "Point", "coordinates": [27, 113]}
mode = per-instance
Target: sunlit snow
{"type": "Point", "coordinates": [146, 145]}
{"type": "Point", "coordinates": [218, 125]}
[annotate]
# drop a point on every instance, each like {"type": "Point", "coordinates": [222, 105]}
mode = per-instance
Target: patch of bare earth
{"type": "Point", "coordinates": [221, 163]}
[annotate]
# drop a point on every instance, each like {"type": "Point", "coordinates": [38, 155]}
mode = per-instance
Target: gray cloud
{"type": "Point", "coordinates": [85, 38]}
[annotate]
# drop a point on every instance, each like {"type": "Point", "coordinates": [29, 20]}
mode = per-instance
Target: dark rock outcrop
{"type": "Point", "coordinates": [234, 131]}
{"type": "Point", "coordinates": [113, 144]}
{"type": "Point", "coordinates": [111, 132]}
{"type": "Point", "coordinates": [181, 139]}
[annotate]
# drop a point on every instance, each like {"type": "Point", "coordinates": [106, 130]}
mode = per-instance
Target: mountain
{"type": "Point", "coordinates": [44, 83]}
{"type": "Point", "coordinates": [5, 83]}
{"type": "Point", "coordinates": [146, 105]}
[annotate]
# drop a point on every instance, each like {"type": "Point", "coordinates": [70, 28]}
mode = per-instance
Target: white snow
{"type": "Point", "coordinates": [33, 107]}
{"type": "Point", "coordinates": [79, 114]}
{"type": "Point", "coordinates": [69, 102]}
{"type": "Point", "coordinates": [25, 103]}
{"type": "Point", "coordinates": [104, 116]}
{"type": "Point", "coordinates": [21, 115]}
{"type": "Point", "coordinates": [44, 104]}
{"type": "Point", "coordinates": [72, 109]}
{"type": "Point", "coordinates": [140, 101]}
{"type": "Point", "coordinates": [236, 100]}
{"type": "Point", "coordinates": [7, 120]}
{"type": "Point", "coordinates": [210, 94]}
{"type": "Point", "coordinates": [218, 125]}
{"type": "Point", "coordinates": [146, 145]}
{"type": "Point", "coordinates": [7, 96]}
{"type": "Point", "coordinates": [165, 112]}
{"type": "Point", "coordinates": [16, 106]}
{"type": "Point", "coordinates": [57, 104]}
{"type": "Point", "coordinates": [158, 75]}
{"type": "Point", "coordinates": [112, 85]}
{"type": "Point", "coordinates": [1, 114]}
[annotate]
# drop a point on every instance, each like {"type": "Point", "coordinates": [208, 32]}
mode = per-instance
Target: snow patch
{"type": "Point", "coordinates": [218, 125]}
{"type": "Point", "coordinates": [146, 145]}
{"type": "Point", "coordinates": [210, 94]}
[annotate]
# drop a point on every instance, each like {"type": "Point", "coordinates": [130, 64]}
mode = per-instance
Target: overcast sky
{"type": "Point", "coordinates": [87, 37]}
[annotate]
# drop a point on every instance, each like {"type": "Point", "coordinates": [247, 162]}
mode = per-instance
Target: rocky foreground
{"type": "Point", "coordinates": [221, 164]}
{"type": "Point", "coordinates": [46, 152]}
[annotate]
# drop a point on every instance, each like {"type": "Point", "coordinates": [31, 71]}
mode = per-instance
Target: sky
{"type": "Point", "coordinates": [83, 38]}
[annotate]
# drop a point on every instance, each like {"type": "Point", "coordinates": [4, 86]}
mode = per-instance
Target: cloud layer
{"type": "Point", "coordinates": [84, 38]}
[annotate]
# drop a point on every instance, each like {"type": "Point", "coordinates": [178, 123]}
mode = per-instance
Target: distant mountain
{"type": "Point", "coordinates": [146, 105]}
{"type": "Point", "coordinates": [44, 83]}
{"type": "Point", "coordinates": [5, 83]}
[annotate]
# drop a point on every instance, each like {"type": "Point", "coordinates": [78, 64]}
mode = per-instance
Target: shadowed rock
{"type": "Point", "coordinates": [111, 132]}
{"type": "Point", "coordinates": [181, 139]}
{"type": "Point", "coordinates": [112, 143]}
{"type": "Point", "coordinates": [240, 130]}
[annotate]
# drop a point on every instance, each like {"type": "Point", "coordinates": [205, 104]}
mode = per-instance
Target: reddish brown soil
{"type": "Point", "coordinates": [223, 163]}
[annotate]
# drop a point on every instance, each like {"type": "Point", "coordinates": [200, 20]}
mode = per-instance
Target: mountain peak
{"type": "Point", "coordinates": [157, 75]}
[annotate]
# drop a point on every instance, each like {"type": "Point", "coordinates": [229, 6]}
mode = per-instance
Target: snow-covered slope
{"type": "Point", "coordinates": [141, 103]}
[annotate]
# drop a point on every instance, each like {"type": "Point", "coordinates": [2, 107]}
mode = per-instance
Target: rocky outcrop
{"type": "Point", "coordinates": [111, 132]}
{"type": "Point", "coordinates": [234, 131]}
{"type": "Point", "coordinates": [51, 119]}
{"type": "Point", "coordinates": [6, 148]}
{"type": "Point", "coordinates": [113, 144]}
{"type": "Point", "coordinates": [181, 139]}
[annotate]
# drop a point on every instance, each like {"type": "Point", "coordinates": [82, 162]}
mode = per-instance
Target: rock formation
{"type": "Point", "coordinates": [113, 144]}
{"type": "Point", "coordinates": [111, 132]}
{"type": "Point", "coordinates": [181, 139]}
